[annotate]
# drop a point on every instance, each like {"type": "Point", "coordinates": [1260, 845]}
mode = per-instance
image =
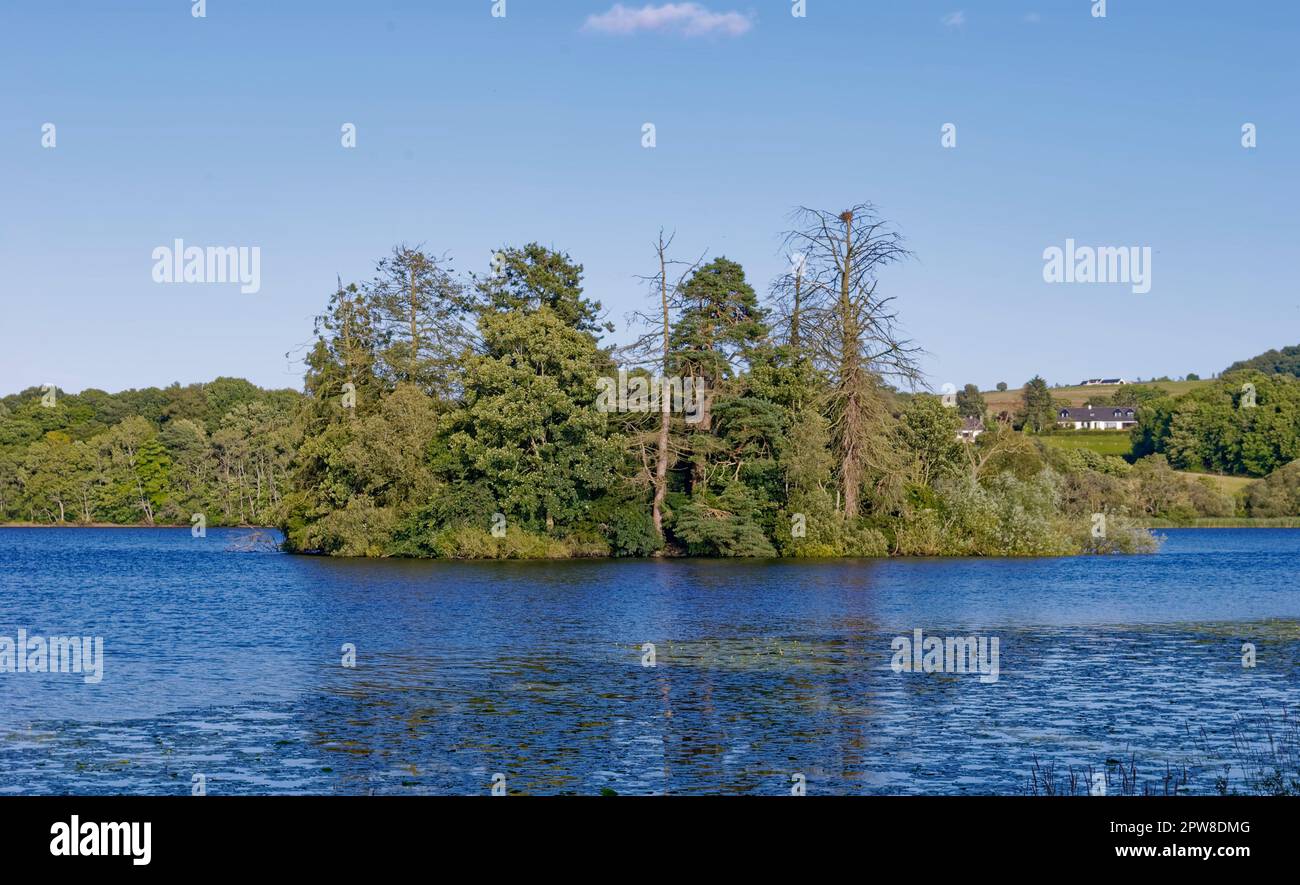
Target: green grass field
{"type": "Point", "coordinates": [1229, 484]}
{"type": "Point", "coordinates": [1103, 442]}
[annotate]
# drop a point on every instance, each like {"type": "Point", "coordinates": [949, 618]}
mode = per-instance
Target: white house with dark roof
{"type": "Point", "coordinates": [970, 428]}
{"type": "Point", "coordinates": [1091, 417]}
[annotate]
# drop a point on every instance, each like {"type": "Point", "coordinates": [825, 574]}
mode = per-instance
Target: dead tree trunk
{"type": "Point", "coordinates": [665, 404]}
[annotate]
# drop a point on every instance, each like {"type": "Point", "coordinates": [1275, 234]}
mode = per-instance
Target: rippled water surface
{"type": "Point", "coordinates": [226, 662]}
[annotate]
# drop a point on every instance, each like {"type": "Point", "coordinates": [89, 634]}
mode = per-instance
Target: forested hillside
{"type": "Point", "coordinates": [1244, 424]}
{"type": "Point", "coordinates": [1273, 362]}
{"type": "Point", "coordinates": [486, 415]}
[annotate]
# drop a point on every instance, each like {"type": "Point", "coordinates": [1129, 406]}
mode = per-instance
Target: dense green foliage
{"type": "Point", "coordinates": [1149, 489]}
{"type": "Point", "coordinates": [1273, 362]}
{"type": "Point", "coordinates": [1277, 495]}
{"type": "Point", "coordinates": [153, 456]}
{"type": "Point", "coordinates": [970, 402]}
{"type": "Point", "coordinates": [1038, 408]}
{"type": "Point", "coordinates": [445, 416]}
{"type": "Point", "coordinates": [1245, 424]}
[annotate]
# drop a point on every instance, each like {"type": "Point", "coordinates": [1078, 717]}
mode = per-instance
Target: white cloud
{"type": "Point", "coordinates": [687, 19]}
{"type": "Point", "coordinates": [954, 19]}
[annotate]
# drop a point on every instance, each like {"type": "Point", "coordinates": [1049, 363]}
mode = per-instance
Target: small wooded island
{"type": "Point", "coordinates": [482, 416]}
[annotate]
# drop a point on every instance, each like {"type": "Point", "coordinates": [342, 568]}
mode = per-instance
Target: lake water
{"type": "Point", "coordinates": [226, 662]}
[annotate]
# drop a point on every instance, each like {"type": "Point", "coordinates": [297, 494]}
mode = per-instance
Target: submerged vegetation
{"type": "Point", "coordinates": [461, 416]}
{"type": "Point", "coordinates": [1258, 756]}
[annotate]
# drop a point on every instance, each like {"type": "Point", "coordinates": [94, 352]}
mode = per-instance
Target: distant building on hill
{"type": "Point", "coordinates": [1097, 418]}
{"type": "Point", "coordinates": [1093, 382]}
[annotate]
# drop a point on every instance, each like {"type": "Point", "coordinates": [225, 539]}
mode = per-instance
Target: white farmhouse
{"type": "Point", "coordinates": [1091, 417]}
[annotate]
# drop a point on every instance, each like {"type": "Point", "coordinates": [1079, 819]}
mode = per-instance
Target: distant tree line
{"type": "Point", "coordinates": [1273, 362]}
{"type": "Point", "coordinates": [153, 456]}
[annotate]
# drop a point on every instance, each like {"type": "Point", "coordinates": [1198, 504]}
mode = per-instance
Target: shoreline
{"type": "Point", "coordinates": [1245, 522]}
{"type": "Point", "coordinates": [127, 525]}
{"type": "Point", "coordinates": [1263, 522]}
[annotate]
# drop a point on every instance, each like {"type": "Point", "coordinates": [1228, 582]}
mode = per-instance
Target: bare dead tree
{"type": "Point", "coordinates": [653, 349]}
{"type": "Point", "coordinates": [851, 332]}
{"type": "Point", "coordinates": [789, 296]}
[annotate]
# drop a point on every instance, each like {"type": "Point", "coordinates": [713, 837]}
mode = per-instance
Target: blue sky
{"type": "Point", "coordinates": [475, 132]}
